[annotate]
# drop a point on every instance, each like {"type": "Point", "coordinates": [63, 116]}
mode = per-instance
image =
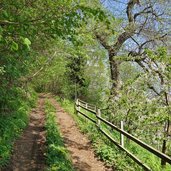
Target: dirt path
{"type": "Point", "coordinates": [79, 146]}
{"type": "Point", "coordinates": [29, 148]}
{"type": "Point", "coordinates": [28, 153]}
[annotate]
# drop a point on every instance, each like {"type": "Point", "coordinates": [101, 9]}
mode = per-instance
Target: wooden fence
{"type": "Point", "coordinates": [97, 113]}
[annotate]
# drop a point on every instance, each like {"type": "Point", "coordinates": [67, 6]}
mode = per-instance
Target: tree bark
{"type": "Point", "coordinates": [114, 49]}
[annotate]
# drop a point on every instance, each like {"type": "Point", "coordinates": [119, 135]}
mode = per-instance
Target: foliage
{"type": "Point", "coordinates": [67, 48]}
{"type": "Point", "coordinates": [75, 70]}
{"type": "Point", "coordinates": [141, 101]}
{"type": "Point", "coordinates": [57, 155]}
{"type": "Point", "coordinates": [26, 28]}
{"type": "Point", "coordinates": [11, 126]}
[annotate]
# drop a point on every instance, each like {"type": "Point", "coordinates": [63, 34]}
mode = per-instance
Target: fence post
{"type": "Point", "coordinates": [78, 107]}
{"type": "Point", "coordinates": [163, 162]}
{"type": "Point", "coordinates": [75, 107]}
{"type": "Point", "coordinates": [95, 108]}
{"type": "Point", "coordinates": [86, 106]}
{"type": "Point", "coordinates": [121, 135]}
{"type": "Point", "coordinates": [98, 114]}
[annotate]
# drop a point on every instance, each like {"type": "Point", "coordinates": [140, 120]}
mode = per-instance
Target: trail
{"type": "Point", "coordinates": [29, 148]}
{"type": "Point", "coordinates": [79, 146]}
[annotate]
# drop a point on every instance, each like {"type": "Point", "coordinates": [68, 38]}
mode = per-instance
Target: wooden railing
{"type": "Point", "coordinates": [98, 119]}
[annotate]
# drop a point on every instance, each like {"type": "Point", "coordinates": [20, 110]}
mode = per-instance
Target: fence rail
{"type": "Point", "coordinates": [93, 109]}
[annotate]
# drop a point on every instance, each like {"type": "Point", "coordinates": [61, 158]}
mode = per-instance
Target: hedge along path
{"type": "Point", "coordinates": [28, 153]}
{"type": "Point", "coordinates": [82, 155]}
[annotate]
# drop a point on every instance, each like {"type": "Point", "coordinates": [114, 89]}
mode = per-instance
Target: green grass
{"type": "Point", "coordinates": [57, 155]}
{"type": "Point", "coordinates": [107, 151]}
{"type": "Point", "coordinates": [12, 125]}
{"type": "Point", "coordinates": [11, 128]}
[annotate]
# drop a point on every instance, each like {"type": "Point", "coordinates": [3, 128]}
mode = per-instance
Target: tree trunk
{"type": "Point", "coordinates": [114, 70]}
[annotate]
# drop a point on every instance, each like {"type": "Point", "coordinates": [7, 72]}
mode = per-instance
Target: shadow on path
{"type": "Point", "coordinates": [28, 153]}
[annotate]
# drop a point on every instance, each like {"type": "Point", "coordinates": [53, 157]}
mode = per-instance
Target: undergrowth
{"type": "Point", "coordinates": [108, 152]}
{"type": "Point", "coordinates": [57, 155]}
{"type": "Point", "coordinates": [12, 125]}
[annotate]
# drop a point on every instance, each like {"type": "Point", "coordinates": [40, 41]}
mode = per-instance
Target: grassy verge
{"type": "Point", "coordinates": [108, 152]}
{"type": "Point", "coordinates": [57, 155]}
{"type": "Point", "coordinates": [12, 125]}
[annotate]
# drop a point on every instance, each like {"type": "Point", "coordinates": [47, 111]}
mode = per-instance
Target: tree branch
{"type": "Point", "coordinates": [5, 22]}
{"type": "Point", "coordinates": [40, 69]}
{"type": "Point", "coordinates": [129, 9]}
{"type": "Point", "coordinates": [144, 11]}
{"type": "Point", "coordinates": [102, 41]}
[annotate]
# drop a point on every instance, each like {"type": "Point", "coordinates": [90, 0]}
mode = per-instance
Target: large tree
{"type": "Point", "coordinates": [143, 29]}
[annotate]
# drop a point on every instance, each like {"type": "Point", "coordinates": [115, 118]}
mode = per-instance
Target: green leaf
{"type": "Point", "coordinates": [5, 14]}
{"type": "Point", "coordinates": [27, 42]}
{"type": "Point", "coordinates": [14, 46]}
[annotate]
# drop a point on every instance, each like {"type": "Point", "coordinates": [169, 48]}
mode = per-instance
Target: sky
{"type": "Point", "coordinates": [117, 7]}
